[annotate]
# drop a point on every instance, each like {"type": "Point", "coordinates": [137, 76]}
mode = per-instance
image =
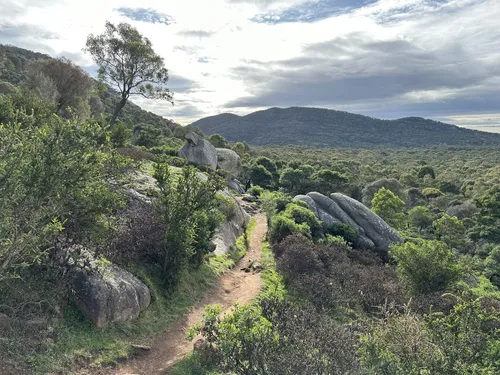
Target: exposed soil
{"type": "Point", "coordinates": [234, 286]}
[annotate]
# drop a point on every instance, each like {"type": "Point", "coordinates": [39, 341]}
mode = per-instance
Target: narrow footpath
{"type": "Point", "coordinates": [234, 286]}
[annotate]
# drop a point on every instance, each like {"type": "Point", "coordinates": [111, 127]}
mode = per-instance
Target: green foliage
{"type": "Point", "coordinates": [53, 176]}
{"type": "Point", "coordinates": [241, 148]}
{"type": "Point", "coordinates": [389, 207]}
{"type": "Point", "coordinates": [451, 231]}
{"type": "Point", "coordinates": [430, 193]}
{"type": "Point", "coordinates": [256, 191]}
{"type": "Point", "coordinates": [259, 175]}
{"type": "Point", "coordinates": [25, 107]}
{"type": "Point", "coordinates": [226, 205]}
{"type": "Point", "coordinates": [345, 231]}
{"type": "Point", "coordinates": [425, 265]}
{"type": "Point", "coordinates": [267, 163]}
{"type": "Point", "coordinates": [127, 60]}
{"type": "Point", "coordinates": [464, 341]}
{"type": "Point", "coordinates": [283, 226]}
{"type": "Point", "coordinates": [240, 342]}
{"type": "Point", "coordinates": [218, 141]}
{"type": "Point", "coordinates": [420, 218]}
{"type": "Point", "coordinates": [328, 181]}
{"type": "Point", "coordinates": [188, 209]}
{"type": "Point", "coordinates": [302, 215]}
{"type": "Point", "coordinates": [62, 82]}
{"type": "Point", "coordinates": [120, 134]}
{"type": "Point", "coordinates": [296, 181]}
{"type": "Point", "coordinates": [492, 266]}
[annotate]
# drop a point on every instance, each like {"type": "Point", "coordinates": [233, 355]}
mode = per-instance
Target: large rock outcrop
{"type": "Point", "coordinates": [373, 232]}
{"type": "Point", "coordinates": [228, 160]}
{"type": "Point", "coordinates": [230, 230]}
{"type": "Point", "coordinates": [109, 296]}
{"type": "Point", "coordinates": [199, 151]}
{"type": "Point", "coordinates": [105, 293]}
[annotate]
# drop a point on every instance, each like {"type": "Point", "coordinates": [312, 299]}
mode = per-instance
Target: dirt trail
{"type": "Point", "coordinates": [234, 286]}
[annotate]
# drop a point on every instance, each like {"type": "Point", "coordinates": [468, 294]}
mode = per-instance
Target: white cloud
{"type": "Point", "coordinates": [209, 39]}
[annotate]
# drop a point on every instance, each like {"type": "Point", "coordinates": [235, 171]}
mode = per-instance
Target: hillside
{"type": "Point", "coordinates": [329, 128]}
{"type": "Point", "coordinates": [14, 62]}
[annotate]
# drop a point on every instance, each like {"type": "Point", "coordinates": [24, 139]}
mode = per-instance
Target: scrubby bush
{"type": "Point", "coordinates": [389, 207]}
{"type": "Point", "coordinates": [332, 276]}
{"type": "Point", "coordinates": [303, 215]}
{"type": "Point", "coordinates": [256, 191]}
{"type": "Point", "coordinates": [345, 231]}
{"type": "Point", "coordinates": [53, 177]}
{"type": "Point", "coordinates": [420, 218]}
{"type": "Point", "coordinates": [188, 210]}
{"type": "Point", "coordinates": [274, 336]}
{"type": "Point", "coordinates": [227, 206]}
{"type": "Point", "coordinates": [425, 265]}
{"type": "Point", "coordinates": [283, 226]}
{"type": "Point", "coordinates": [430, 193]}
{"type": "Point", "coordinates": [464, 341]}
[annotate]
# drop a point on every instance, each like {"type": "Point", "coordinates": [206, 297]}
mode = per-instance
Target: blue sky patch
{"type": "Point", "coordinates": [146, 15]}
{"type": "Point", "coordinates": [311, 11]}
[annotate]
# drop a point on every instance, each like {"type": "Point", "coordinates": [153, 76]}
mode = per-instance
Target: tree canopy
{"type": "Point", "coordinates": [127, 61]}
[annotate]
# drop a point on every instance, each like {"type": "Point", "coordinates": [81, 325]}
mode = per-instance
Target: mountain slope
{"type": "Point", "coordinates": [329, 128]}
{"type": "Point", "coordinates": [14, 62]}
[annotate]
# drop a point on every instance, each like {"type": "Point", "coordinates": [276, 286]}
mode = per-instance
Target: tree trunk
{"type": "Point", "coordinates": [118, 108]}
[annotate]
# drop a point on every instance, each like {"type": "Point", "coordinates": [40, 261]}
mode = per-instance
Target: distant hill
{"type": "Point", "coordinates": [14, 62]}
{"type": "Point", "coordinates": [329, 128]}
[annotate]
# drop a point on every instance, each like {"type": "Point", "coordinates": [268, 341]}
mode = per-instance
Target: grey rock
{"type": "Point", "coordinates": [330, 213]}
{"type": "Point", "coordinates": [230, 230]}
{"type": "Point", "coordinates": [199, 151]}
{"type": "Point", "coordinates": [389, 183]}
{"type": "Point", "coordinates": [236, 186]}
{"type": "Point", "coordinates": [109, 296]}
{"type": "Point", "coordinates": [373, 232]}
{"type": "Point", "coordinates": [376, 229]}
{"type": "Point", "coordinates": [228, 160]}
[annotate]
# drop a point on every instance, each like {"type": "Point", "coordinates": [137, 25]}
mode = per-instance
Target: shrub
{"type": "Point", "coordinates": [389, 207]}
{"type": "Point", "coordinates": [331, 276]}
{"type": "Point", "coordinates": [53, 178]}
{"type": "Point", "coordinates": [283, 226]}
{"type": "Point", "coordinates": [274, 336]}
{"type": "Point", "coordinates": [399, 346]}
{"type": "Point", "coordinates": [345, 231]}
{"type": "Point", "coordinates": [464, 341]}
{"type": "Point", "coordinates": [256, 191]}
{"type": "Point", "coordinates": [430, 193]}
{"type": "Point", "coordinates": [241, 342]}
{"type": "Point", "coordinates": [274, 202]}
{"type": "Point", "coordinates": [420, 218]}
{"type": "Point", "coordinates": [451, 231]}
{"type": "Point", "coordinates": [303, 215]}
{"type": "Point", "coordinates": [188, 210]}
{"type": "Point", "coordinates": [227, 206]}
{"type": "Point", "coordinates": [425, 266]}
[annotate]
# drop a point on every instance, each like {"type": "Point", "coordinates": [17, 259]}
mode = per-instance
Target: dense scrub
{"type": "Point", "coordinates": [429, 306]}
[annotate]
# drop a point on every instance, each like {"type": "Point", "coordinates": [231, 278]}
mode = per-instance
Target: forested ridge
{"type": "Point", "coordinates": [328, 128]}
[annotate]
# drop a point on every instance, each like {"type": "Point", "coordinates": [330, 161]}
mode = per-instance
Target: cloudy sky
{"type": "Point", "coordinates": [385, 58]}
